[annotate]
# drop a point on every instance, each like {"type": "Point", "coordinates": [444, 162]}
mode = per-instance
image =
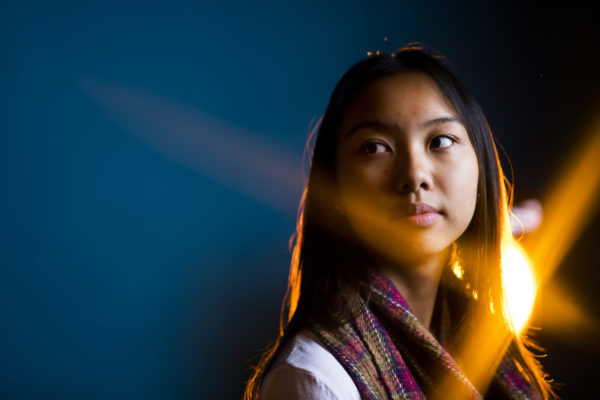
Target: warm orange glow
{"type": "Point", "coordinates": [458, 270]}
{"type": "Point", "coordinates": [518, 284]}
{"type": "Point", "coordinates": [564, 316]}
{"type": "Point", "coordinates": [572, 203]}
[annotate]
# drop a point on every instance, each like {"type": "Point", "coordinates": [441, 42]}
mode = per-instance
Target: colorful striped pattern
{"type": "Point", "coordinates": [378, 368]}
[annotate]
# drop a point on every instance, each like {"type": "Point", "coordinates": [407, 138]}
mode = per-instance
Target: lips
{"type": "Point", "coordinates": [420, 208]}
{"type": "Point", "coordinates": [420, 214]}
{"type": "Point", "coordinates": [416, 209]}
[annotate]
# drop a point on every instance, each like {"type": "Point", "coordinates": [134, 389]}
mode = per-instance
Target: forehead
{"type": "Point", "coordinates": [405, 98]}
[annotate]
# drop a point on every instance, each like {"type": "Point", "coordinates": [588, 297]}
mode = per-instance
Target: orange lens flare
{"type": "Point", "coordinates": [518, 284]}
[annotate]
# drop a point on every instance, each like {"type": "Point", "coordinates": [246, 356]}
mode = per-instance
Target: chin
{"type": "Point", "coordinates": [403, 245]}
{"type": "Point", "coordinates": [406, 252]}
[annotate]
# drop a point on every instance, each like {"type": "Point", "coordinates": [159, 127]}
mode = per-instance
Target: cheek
{"type": "Point", "coordinates": [470, 191]}
{"type": "Point", "coordinates": [461, 185]}
{"type": "Point", "coordinates": [367, 179]}
{"type": "Point", "coordinates": [364, 196]}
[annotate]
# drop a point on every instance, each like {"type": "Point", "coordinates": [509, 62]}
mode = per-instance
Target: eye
{"type": "Point", "coordinates": [371, 148]}
{"type": "Point", "coordinates": [442, 141]}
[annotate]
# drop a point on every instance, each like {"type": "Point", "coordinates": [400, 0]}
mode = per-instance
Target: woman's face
{"type": "Point", "coordinates": [406, 169]}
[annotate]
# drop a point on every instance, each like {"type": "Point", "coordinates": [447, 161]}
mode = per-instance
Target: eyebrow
{"type": "Point", "coordinates": [384, 126]}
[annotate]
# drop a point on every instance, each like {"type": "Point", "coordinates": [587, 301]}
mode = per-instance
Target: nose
{"type": "Point", "coordinates": [413, 173]}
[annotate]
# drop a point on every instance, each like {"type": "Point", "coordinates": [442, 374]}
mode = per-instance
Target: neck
{"type": "Point", "coordinates": [418, 282]}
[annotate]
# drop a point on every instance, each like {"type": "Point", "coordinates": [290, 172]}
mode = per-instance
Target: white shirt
{"type": "Point", "coordinates": [306, 370]}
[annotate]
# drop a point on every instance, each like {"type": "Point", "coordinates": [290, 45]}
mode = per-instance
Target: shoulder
{"type": "Point", "coordinates": [305, 369]}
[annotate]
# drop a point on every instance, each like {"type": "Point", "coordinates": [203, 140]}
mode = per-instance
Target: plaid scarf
{"type": "Point", "coordinates": [384, 363]}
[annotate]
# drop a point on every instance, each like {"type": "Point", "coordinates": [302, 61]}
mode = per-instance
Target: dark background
{"type": "Point", "coordinates": [151, 165]}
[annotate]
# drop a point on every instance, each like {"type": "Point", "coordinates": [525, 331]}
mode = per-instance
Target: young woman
{"type": "Point", "coordinates": [395, 285]}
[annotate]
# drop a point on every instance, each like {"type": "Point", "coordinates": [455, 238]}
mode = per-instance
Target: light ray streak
{"type": "Point", "coordinates": [570, 206]}
{"type": "Point", "coordinates": [217, 149]}
{"type": "Point", "coordinates": [567, 318]}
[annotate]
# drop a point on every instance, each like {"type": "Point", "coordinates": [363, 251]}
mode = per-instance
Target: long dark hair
{"type": "Point", "coordinates": [327, 274]}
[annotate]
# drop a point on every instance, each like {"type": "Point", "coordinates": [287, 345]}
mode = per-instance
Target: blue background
{"type": "Point", "coordinates": [151, 166]}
